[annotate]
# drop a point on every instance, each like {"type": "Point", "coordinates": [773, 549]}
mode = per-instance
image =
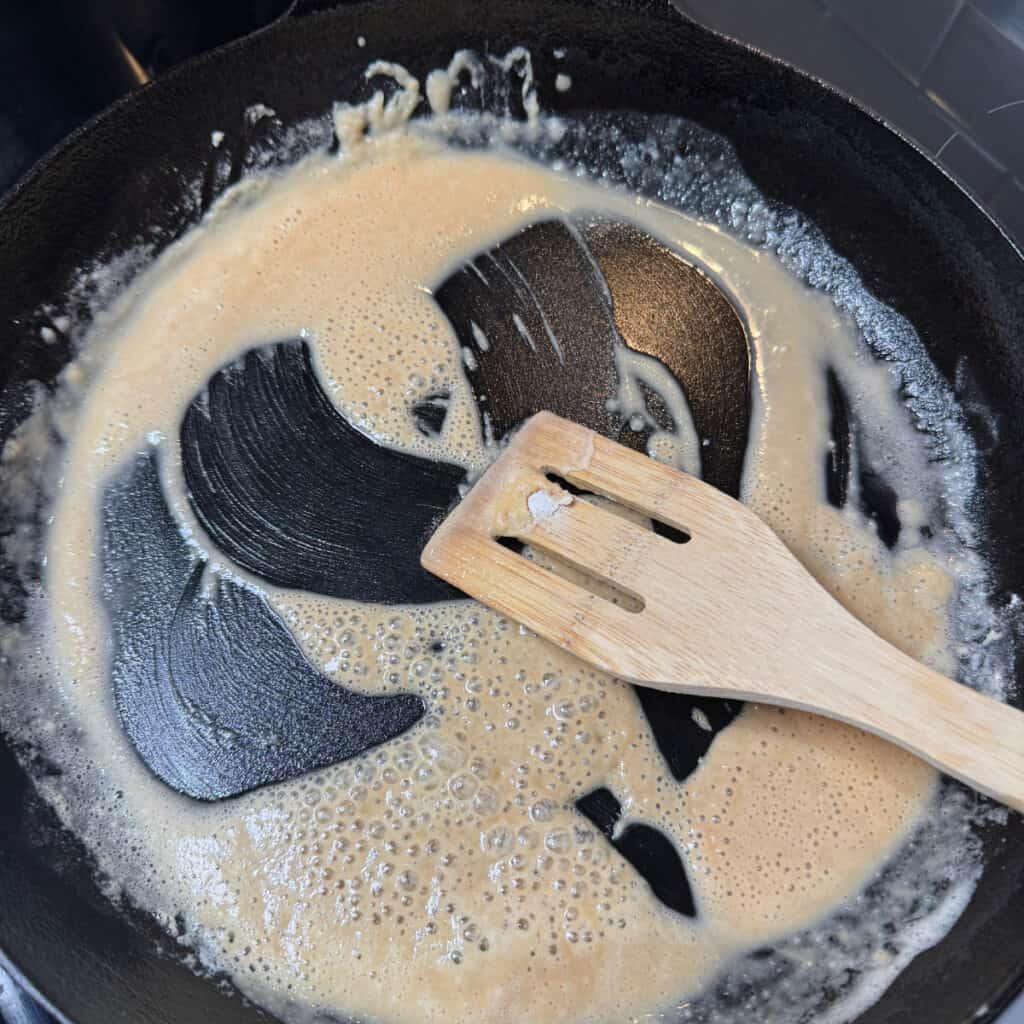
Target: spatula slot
{"type": "Point", "coordinates": [669, 532]}
{"type": "Point", "coordinates": [564, 484]}
{"type": "Point", "coordinates": [606, 589]}
{"type": "Point", "coordinates": [658, 526]}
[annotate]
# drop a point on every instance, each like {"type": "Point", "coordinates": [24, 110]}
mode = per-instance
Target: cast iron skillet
{"type": "Point", "coordinates": [920, 243]}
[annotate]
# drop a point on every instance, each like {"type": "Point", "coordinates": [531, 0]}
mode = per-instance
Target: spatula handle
{"type": "Point", "coordinates": [961, 732]}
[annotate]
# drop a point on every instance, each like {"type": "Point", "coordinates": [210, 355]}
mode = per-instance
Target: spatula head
{"type": "Point", "coordinates": [702, 593]}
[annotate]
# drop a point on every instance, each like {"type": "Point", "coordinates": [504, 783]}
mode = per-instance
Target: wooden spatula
{"type": "Point", "coordinates": [728, 613]}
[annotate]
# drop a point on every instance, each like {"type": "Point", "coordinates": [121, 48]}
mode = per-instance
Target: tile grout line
{"type": "Point", "coordinates": [837, 16]}
{"type": "Point", "coordinates": [959, 128]}
{"type": "Point", "coordinates": [999, 28]}
{"type": "Point", "coordinates": [943, 36]}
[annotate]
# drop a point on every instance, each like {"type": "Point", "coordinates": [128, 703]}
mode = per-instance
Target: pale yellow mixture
{"type": "Point", "coordinates": [447, 875]}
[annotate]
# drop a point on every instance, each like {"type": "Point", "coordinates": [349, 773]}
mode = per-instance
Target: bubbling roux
{"type": "Point", "coordinates": [447, 875]}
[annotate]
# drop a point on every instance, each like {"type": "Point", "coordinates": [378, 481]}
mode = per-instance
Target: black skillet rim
{"type": "Point", "coordinates": [83, 132]}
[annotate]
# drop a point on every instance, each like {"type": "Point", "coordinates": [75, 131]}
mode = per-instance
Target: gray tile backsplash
{"type": "Point", "coordinates": [857, 68]}
{"type": "Point", "coordinates": [947, 73]}
{"type": "Point", "coordinates": [971, 165]}
{"type": "Point", "coordinates": [783, 28]}
{"type": "Point", "coordinates": [908, 34]}
{"type": "Point", "coordinates": [810, 36]}
{"type": "Point", "coordinates": [1007, 14]}
{"type": "Point", "coordinates": [978, 75]}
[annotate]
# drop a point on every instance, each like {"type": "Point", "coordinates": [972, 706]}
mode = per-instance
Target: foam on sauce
{"type": "Point", "coordinates": [447, 874]}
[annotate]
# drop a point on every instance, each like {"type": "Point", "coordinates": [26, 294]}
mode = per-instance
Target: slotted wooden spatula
{"type": "Point", "coordinates": [728, 613]}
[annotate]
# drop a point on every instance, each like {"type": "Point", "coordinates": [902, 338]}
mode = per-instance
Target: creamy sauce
{"type": "Point", "coordinates": [447, 874]}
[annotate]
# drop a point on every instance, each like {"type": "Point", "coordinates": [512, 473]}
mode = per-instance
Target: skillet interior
{"type": "Point", "coordinates": [920, 244]}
